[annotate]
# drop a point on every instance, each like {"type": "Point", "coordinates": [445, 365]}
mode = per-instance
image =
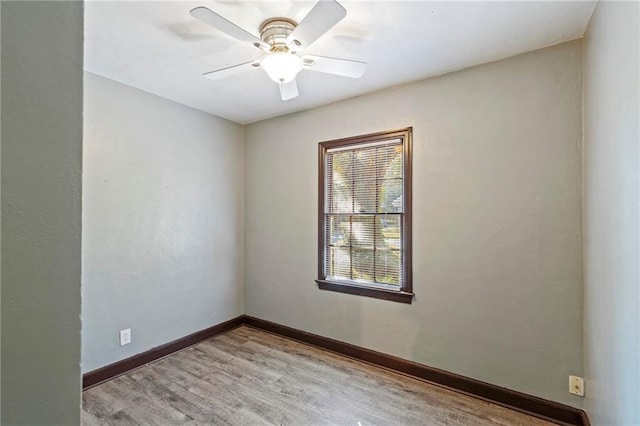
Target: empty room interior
{"type": "Point", "coordinates": [320, 212]}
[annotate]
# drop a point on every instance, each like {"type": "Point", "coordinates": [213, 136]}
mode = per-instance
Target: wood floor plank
{"type": "Point", "coordinates": [250, 377]}
{"type": "Point", "coordinates": [156, 386]}
{"type": "Point", "coordinates": [223, 404]}
{"type": "Point", "coordinates": [117, 418]}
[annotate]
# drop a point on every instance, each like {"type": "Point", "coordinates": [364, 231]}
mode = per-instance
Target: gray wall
{"type": "Point", "coordinates": [611, 216]}
{"type": "Point", "coordinates": [163, 220]}
{"type": "Point", "coordinates": [41, 216]}
{"type": "Point", "coordinates": [497, 213]}
{"type": "Point", "coordinates": [0, 221]}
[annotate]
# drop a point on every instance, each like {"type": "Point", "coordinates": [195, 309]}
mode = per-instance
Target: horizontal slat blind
{"type": "Point", "coordinates": [363, 213]}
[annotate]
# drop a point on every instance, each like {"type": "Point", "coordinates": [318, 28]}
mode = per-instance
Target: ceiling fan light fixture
{"type": "Point", "coordinates": [281, 67]}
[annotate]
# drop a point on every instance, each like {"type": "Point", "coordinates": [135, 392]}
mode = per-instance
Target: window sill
{"type": "Point", "coordinates": [378, 293]}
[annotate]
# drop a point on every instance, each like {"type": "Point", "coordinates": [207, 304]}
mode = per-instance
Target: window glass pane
{"type": "Point", "coordinates": [365, 164]}
{"type": "Point", "coordinates": [338, 231]}
{"type": "Point", "coordinates": [339, 262]}
{"type": "Point", "coordinates": [390, 163]}
{"type": "Point", "coordinates": [340, 198]}
{"type": "Point", "coordinates": [340, 182]}
{"type": "Point", "coordinates": [362, 263]}
{"type": "Point", "coordinates": [362, 234]}
{"type": "Point", "coordinates": [390, 196]}
{"type": "Point", "coordinates": [388, 232]}
{"type": "Point", "coordinates": [388, 267]}
{"type": "Point", "coordinates": [365, 196]}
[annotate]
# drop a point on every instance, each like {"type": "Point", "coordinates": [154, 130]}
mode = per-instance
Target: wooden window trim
{"type": "Point", "coordinates": [405, 293]}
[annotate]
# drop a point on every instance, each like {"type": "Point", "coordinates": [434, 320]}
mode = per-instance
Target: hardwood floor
{"type": "Point", "coordinates": [250, 377]}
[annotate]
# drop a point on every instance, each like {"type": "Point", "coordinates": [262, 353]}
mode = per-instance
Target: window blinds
{"type": "Point", "coordinates": [364, 210]}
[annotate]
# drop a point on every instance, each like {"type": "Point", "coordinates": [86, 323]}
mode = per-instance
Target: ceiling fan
{"type": "Point", "coordinates": [282, 40]}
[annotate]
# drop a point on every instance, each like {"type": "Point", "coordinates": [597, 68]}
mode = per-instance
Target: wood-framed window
{"type": "Point", "coordinates": [364, 215]}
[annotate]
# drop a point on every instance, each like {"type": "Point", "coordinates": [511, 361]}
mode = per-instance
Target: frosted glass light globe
{"type": "Point", "coordinates": [281, 67]}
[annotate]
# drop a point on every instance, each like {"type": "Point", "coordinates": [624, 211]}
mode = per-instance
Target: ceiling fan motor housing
{"type": "Point", "coordinates": [275, 31]}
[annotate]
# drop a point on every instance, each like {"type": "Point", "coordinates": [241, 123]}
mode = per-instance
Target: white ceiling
{"type": "Point", "coordinates": [158, 47]}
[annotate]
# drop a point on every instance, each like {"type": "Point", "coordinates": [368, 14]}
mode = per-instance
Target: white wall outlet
{"type": "Point", "coordinates": [125, 337]}
{"type": "Point", "coordinates": [576, 385]}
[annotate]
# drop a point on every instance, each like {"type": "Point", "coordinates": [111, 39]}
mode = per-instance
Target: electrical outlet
{"type": "Point", "coordinates": [576, 385]}
{"type": "Point", "coordinates": [125, 337]}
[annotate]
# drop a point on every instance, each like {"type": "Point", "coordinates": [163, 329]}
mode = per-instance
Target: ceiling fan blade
{"type": "Point", "coordinates": [234, 69]}
{"type": "Point", "coordinates": [343, 67]}
{"type": "Point", "coordinates": [324, 15]}
{"type": "Point", "coordinates": [223, 24]}
{"type": "Point", "coordinates": [288, 90]}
